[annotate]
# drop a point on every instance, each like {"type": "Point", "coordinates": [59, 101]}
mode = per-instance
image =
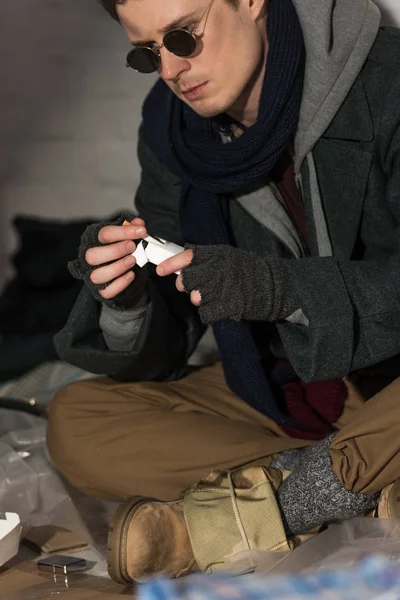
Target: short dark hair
{"type": "Point", "coordinates": [111, 6]}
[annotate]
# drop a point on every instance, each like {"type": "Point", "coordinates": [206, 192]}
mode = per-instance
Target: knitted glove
{"type": "Point", "coordinates": [239, 285]}
{"type": "Point", "coordinates": [312, 495]}
{"type": "Point", "coordinates": [80, 269]}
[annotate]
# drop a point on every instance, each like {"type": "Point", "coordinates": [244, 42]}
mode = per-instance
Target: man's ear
{"type": "Point", "coordinates": [258, 8]}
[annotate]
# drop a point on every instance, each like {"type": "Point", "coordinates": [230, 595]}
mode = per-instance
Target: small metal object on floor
{"type": "Point", "coordinates": [26, 582]}
{"type": "Point", "coordinates": [61, 564]}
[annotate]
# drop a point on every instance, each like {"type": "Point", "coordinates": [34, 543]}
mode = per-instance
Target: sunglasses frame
{"type": "Point", "coordinates": [157, 47]}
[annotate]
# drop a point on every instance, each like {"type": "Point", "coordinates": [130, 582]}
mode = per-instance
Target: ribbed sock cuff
{"type": "Point", "coordinates": [312, 495]}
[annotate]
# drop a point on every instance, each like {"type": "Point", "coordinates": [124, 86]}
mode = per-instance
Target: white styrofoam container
{"type": "Point", "coordinates": [10, 533]}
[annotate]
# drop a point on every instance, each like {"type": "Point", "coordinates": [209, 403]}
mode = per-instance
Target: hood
{"type": "Point", "coordinates": [338, 36]}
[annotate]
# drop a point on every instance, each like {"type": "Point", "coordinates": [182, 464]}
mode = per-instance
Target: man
{"type": "Point", "coordinates": [270, 146]}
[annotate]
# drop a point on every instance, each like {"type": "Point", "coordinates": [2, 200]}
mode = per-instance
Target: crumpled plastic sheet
{"type": "Point", "coordinates": [29, 485]}
{"type": "Point", "coordinates": [39, 385]}
{"type": "Point", "coordinates": [342, 545]}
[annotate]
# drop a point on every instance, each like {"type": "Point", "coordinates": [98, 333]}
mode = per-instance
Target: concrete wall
{"type": "Point", "coordinates": [390, 11]}
{"type": "Point", "coordinates": [69, 113]}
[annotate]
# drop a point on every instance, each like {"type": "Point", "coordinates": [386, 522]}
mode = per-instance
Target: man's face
{"type": "Point", "coordinates": [230, 54]}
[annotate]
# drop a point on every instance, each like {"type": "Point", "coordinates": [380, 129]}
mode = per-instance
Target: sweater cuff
{"type": "Point", "coordinates": [120, 328]}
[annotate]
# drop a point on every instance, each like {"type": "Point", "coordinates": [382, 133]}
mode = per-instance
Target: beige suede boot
{"type": "Point", "coordinates": [228, 513]}
{"type": "Point", "coordinates": [389, 503]}
{"type": "Point", "coordinates": [148, 537]}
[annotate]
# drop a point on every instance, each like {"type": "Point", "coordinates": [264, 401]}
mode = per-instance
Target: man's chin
{"type": "Point", "coordinates": [206, 109]}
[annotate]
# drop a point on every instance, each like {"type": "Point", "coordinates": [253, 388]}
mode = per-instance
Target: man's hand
{"type": "Point", "coordinates": [177, 263]}
{"type": "Point", "coordinates": [105, 262]}
{"type": "Point", "coordinates": [117, 250]}
{"type": "Point", "coordinates": [228, 283]}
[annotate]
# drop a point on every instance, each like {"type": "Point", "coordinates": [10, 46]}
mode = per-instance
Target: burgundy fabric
{"type": "Point", "coordinates": [315, 405]}
{"type": "Point", "coordinates": [284, 178]}
{"type": "Point", "coordinates": [318, 404]}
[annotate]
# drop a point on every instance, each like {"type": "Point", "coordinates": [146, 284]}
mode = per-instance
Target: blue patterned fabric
{"type": "Point", "coordinates": [375, 578]}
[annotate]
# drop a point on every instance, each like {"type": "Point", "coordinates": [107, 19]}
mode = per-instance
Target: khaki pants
{"type": "Point", "coordinates": [156, 439]}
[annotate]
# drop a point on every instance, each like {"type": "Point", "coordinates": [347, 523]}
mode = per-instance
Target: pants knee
{"type": "Point", "coordinates": [65, 447]}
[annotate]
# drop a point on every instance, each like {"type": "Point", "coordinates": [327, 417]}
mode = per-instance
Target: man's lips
{"type": "Point", "coordinates": [195, 91]}
{"type": "Point", "coordinates": [189, 89]}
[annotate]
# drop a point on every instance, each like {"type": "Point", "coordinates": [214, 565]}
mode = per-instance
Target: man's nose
{"type": "Point", "coordinates": [171, 65]}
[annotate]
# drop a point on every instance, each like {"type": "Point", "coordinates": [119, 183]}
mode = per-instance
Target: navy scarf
{"type": "Point", "coordinates": [191, 147]}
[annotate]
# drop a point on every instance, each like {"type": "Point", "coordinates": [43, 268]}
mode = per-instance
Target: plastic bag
{"type": "Point", "coordinates": [342, 545]}
{"type": "Point", "coordinates": [29, 485]}
{"type": "Point", "coordinates": [38, 386]}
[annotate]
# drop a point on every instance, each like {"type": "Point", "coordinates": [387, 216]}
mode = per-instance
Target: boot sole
{"type": "Point", "coordinates": [117, 538]}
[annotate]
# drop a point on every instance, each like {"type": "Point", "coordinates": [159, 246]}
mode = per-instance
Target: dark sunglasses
{"type": "Point", "coordinates": [181, 42]}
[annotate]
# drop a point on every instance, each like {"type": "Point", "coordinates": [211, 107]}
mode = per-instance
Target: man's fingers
{"type": "Point", "coordinates": [104, 254]}
{"type": "Point", "coordinates": [195, 297]}
{"type": "Point", "coordinates": [116, 233]}
{"type": "Point", "coordinates": [175, 263]}
{"type": "Point", "coordinates": [179, 284]}
{"type": "Point", "coordinates": [113, 270]}
{"type": "Point", "coordinates": [118, 286]}
{"type": "Point", "coordinates": [138, 222]}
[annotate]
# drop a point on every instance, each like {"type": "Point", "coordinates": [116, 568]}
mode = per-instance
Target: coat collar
{"type": "Point", "coordinates": [354, 120]}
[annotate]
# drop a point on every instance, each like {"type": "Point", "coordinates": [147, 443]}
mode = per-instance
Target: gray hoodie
{"type": "Point", "coordinates": [338, 36]}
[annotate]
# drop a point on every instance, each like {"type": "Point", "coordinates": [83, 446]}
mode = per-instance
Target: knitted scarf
{"type": "Point", "coordinates": [190, 145]}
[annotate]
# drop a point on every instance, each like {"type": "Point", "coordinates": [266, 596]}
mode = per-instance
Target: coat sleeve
{"type": "Point", "coordinates": [353, 307]}
{"type": "Point", "coordinates": [171, 328]}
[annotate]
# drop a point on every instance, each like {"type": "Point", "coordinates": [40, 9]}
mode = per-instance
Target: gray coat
{"type": "Point", "coordinates": [352, 299]}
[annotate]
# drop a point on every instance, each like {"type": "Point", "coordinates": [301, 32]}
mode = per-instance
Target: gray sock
{"type": "Point", "coordinates": [312, 495]}
{"type": "Point", "coordinates": [288, 459]}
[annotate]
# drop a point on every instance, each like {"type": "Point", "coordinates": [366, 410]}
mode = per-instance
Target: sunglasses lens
{"type": "Point", "coordinates": [180, 42]}
{"type": "Point", "coordinates": [143, 60]}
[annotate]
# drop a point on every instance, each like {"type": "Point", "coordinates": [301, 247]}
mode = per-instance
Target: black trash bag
{"type": "Point", "coordinates": [36, 303]}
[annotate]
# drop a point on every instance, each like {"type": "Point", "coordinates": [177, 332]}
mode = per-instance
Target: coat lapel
{"type": "Point", "coordinates": [343, 159]}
